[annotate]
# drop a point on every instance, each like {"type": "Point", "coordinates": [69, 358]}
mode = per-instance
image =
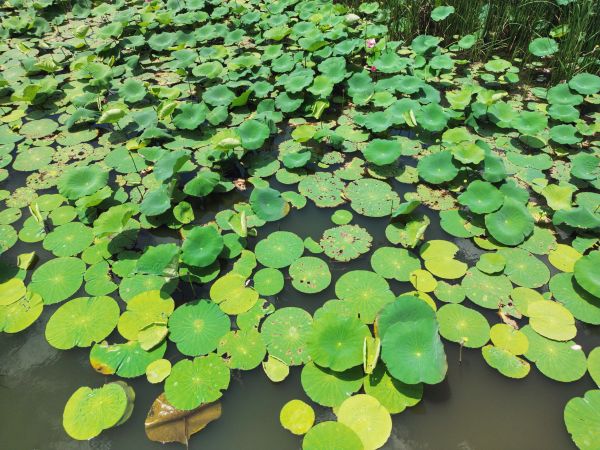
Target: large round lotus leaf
{"type": "Point", "coordinates": [20, 314]}
{"type": "Point", "coordinates": [485, 290]}
{"type": "Point", "coordinates": [194, 382]}
{"type": "Point", "coordinates": [69, 239]}
{"type": "Point", "coordinates": [336, 342]}
{"type": "Point", "coordinates": [81, 322]}
{"type": "Point", "coordinates": [36, 129]}
{"type": "Point", "coordinates": [395, 395]}
{"type": "Point", "coordinates": [506, 337]}
{"type": "Point", "coordinates": [253, 134]}
{"type": "Point", "coordinates": [279, 249]}
{"type": "Point", "coordinates": [594, 365]}
{"type": "Point", "coordinates": [245, 349]}
{"type": "Point", "coordinates": [285, 333]}
{"type": "Point", "coordinates": [232, 295]}
{"type": "Point", "coordinates": [394, 263]}
{"type": "Point", "coordinates": [463, 325]}
{"type": "Point", "coordinates": [144, 310]}
{"type": "Point", "coordinates": [552, 320]}
{"type": "Point", "coordinates": [367, 418]}
{"type": "Point", "coordinates": [582, 304]}
{"type": "Point", "coordinates": [564, 134]}
{"type": "Point", "coordinates": [439, 259]}
{"type": "Point", "coordinates": [365, 292]}
{"type": "Point", "coordinates": [450, 293]}
{"type": "Point", "coordinates": [481, 197]}
{"type": "Point", "coordinates": [560, 361]}
{"type": "Point", "coordinates": [405, 308]}
{"type": "Point", "coordinates": [90, 411]}
{"type": "Point", "coordinates": [524, 269]}
{"type": "Point", "coordinates": [511, 224]}
{"type": "Point", "coordinates": [33, 159]}
{"type": "Point", "coordinates": [437, 168]}
{"type": "Point", "coordinates": [310, 274]}
{"type": "Point", "coordinates": [57, 279]}
{"type": "Point", "coordinates": [372, 198]}
{"type": "Point", "coordinates": [585, 83]}
{"type": "Point", "coordinates": [268, 204]}
{"type": "Point", "coordinates": [322, 188]}
{"type": "Point", "coordinates": [127, 360]}
{"type": "Point", "coordinates": [587, 273]}
{"type": "Point", "coordinates": [268, 281]}
{"type": "Point", "coordinates": [582, 418]}
{"type": "Point", "coordinates": [297, 417]}
{"type": "Point", "coordinates": [432, 117]}
{"type": "Point", "coordinates": [564, 257]}
{"type": "Point", "coordinates": [327, 387]}
{"type": "Point", "coordinates": [77, 182]}
{"type": "Point", "coordinates": [505, 362]}
{"type": "Point", "coordinates": [201, 246]}
{"type": "Point", "coordinates": [491, 263]}
{"type": "Point", "coordinates": [218, 95]}
{"type": "Point", "coordinates": [543, 47]}
{"type": "Point", "coordinates": [197, 327]}
{"type": "Point", "coordinates": [190, 116]}
{"type": "Point", "coordinates": [331, 436]}
{"type": "Point", "coordinates": [460, 224]}
{"type": "Point", "coordinates": [382, 151]}
{"type": "Point", "coordinates": [423, 280]}
{"type": "Point", "coordinates": [530, 122]}
{"type": "Point", "coordinates": [346, 242]}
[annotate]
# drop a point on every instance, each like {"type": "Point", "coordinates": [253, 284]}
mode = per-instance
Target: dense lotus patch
{"type": "Point", "coordinates": [169, 193]}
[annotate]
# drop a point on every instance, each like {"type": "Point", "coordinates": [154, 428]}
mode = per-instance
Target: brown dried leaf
{"type": "Point", "coordinates": [165, 423]}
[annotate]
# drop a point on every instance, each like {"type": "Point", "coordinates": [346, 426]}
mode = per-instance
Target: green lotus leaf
{"type": "Point", "coordinates": [585, 166]}
{"type": "Point", "coordinates": [279, 249]}
{"type": "Point", "coordinates": [551, 320]}
{"type": "Point", "coordinates": [372, 198]}
{"type": "Point", "coordinates": [585, 83]}
{"type": "Point", "coordinates": [297, 417]}
{"type": "Point", "coordinates": [437, 168]}
{"type": "Point", "coordinates": [424, 42]}
{"type": "Point", "coordinates": [382, 151]}
{"type": "Point", "coordinates": [275, 369]}
{"type": "Point", "coordinates": [144, 310]}
{"type": "Point", "coordinates": [12, 291]}
{"type": "Point", "coordinates": [327, 387]}
{"type": "Point", "coordinates": [132, 90]}
{"type": "Point", "coordinates": [511, 224]}
{"type": "Point", "coordinates": [81, 322]}
{"type": "Point", "coordinates": [346, 242]}
{"type": "Point", "coordinates": [268, 281]}
{"type": "Point", "coordinates": [464, 326]}
{"type": "Point", "coordinates": [578, 301]}
{"type": "Point", "coordinates": [341, 217]}
{"type": "Point", "coordinates": [20, 314]}
{"type": "Point", "coordinates": [201, 246]}
{"type": "Point", "coordinates": [580, 217]}
{"type": "Point", "coordinates": [158, 370]}
{"type": "Point", "coordinates": [368, 418]}
{"type": "Point", "coordinates": [322, 188]}
{"type": "Point", "coordinates": [487, 291]}
{"type": "Point", "coordinates": [530, 122]}
{"type": "Point", "coordinates": [491, 263]}
{"type": "Point", "coordinates": [253, 134]}
{"type": "Point", "coordinates": [196, 382]}
{"type": "Point", "coordinates": [285, 333]}
{"type": "Point", "coordinates": [332, 436]}
{"type": "Point", "coordinates": [310, 274]}
{"type": "Point", "coordinates": [333, 68]}
{"type": "Point", "coordinates": [439, 259]}
{"type": "Point", "coordinates": [594, 365]}
{"type": "Point", "coordinates": [360, 87]}
{"type": "Point", "coordinates": [127, 360]}
{"type": "Point", "coordinates": [394, 395]}
{"type": "Point", "coordinates": [564, 257]}
{"type": "Point", "coordinates": [441, 12]}
{"type": "Point", "coordinates": [409, 233]}
{"type": "Point", "coordinates": [190, 115]}
{"type": "Point", "coordinates": [90, 411]}
{"type": "Point", "coordinates": [543, 47]}
{"type": "Point", "coordinates": [481, 197]}
{"type": "Point", "coordinates": [57, 279]}
{"type": "Point", "coordinates": [450, 293]}
{"type": "Point", "coordinates": [564, 134]}
{"type": "Point", "coordinates": [69, 239]}
{"type": "Point", "coordinates": [432, 117]}
{"type": "Point", "coordinates": [245, 348]}
{"type": "Point", "coordinates": [562, 95]}
{"type": "Point", "coordinates": [582, 418]}
{"type": "Point", "coordinates": [336, 342]}
{"type": "Point", "coordinates": [586, 273]}
{"type": "Point", "coordinates": [77, 182]}
{"type": "Point", "coordinates": [268, 204]}
{"type": "Point", "coordinates": [232, 295]}
{"type": "Point", "coordinates": [467, 41]}
{"type": "Point", "coordinates": [505, 362]}
{"type": "Point", "coordinates": [377, 122]}
{"type": "Point", "coordinates": [365, 292]}
{"type": "Point", "coordinates": [219, 95]}
{"type": "Point", "coordinates": [36, 129]}
{"type": "Point", "coordinates": [33, 159]}
{"type": "Point", "coordinates": [560, 361]}
{"type": "Point", "coordinates": [506, 337]}
{"type": "Point", "coordinates": [394, 263]}
{"type": "Point", "coordinates": [197, 327]}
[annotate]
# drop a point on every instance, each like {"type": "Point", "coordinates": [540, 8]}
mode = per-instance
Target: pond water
{"type": "Point", "coordinates": [473, 408]}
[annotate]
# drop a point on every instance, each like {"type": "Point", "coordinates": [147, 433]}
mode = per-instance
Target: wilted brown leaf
{"type": "Point", "coordinates": [165, 423]}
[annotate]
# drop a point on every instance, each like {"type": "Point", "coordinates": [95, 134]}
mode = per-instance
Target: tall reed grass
{"type": "Point", "coordinates": [506, 27]}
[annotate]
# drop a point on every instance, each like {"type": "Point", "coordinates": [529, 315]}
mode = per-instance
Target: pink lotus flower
{"type": "Point", "coordinates": [372, 68]}
{"type": "Point", "coordinates": [371, 43]}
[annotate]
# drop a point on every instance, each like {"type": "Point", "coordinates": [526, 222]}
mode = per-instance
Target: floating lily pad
{"type": "Point", "coordinates": [57, 279]}
{"type": "Point", "coordinates": [346, 242]}
{"type": "Point", "coordinates": [587, 273]}
{"type": "Point", "coordinates": [330, 388]}
{"type": "Point", "coordinates": [394, 263]}
{"type": "Point", "coordinates": [245, 348]}
{"type": "Point", "coordinates": [297, 417]}
{"type": "Point", "coordinates": [462, 325]}
{"type": "Point", "coordinates": [368, 418]}
{"type": "Point", "coordinates": [332, 436]}
{"type": "Point", "coordinates": [371, 198]}
{"type": "Point", "coordinates": [365, 293]}
{"type": "Point", "coordinates": [285, 333]}
{"type": "Point", "coordinates": [552, 320]}
{"type": "Point", "coordinates": [279, 249]}
{"type": "Point", "coordinates": [583, 419]}
{"type": "Point", "coordinates": [310, 274]}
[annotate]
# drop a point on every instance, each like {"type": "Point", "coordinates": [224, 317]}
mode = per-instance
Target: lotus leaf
{"type": "Point", "coordinates": [327, 387]}
{"type": "Point", "coordinates": [365, 293]}
{"type": "Point", "coordinates": [310, 274]}
{"type": "Point", "coordinates": [57, 279]}
{"type": "Point", "coordinates": [127, 360]}
{"type": "Point", "coordinates": [285, 333]}
{"type": "Point", "coordinates": [505, 362]}
{"type": "Point", "coordinates": [463, 325]}
{"type": "Point", "coordinates": [582, 418]}
{"type": "Point", "coordinates": [297, 417]}
{"type": "Point", "coordinates": [346, 242]}
{"type": "Point", "coordinates": [245, 348]}
{"type": "Point", "coordinates": [332, 436]}
{"type": "Point", "coordinates": [587, 274]}
{"type": "Point", "coordinates": [371, 198]}
{"type": "Point", "coordinates": [368, 418]}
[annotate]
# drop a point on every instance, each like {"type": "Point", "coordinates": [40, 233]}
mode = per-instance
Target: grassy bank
{"type": "Point", "coordinates": [507, 27]}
